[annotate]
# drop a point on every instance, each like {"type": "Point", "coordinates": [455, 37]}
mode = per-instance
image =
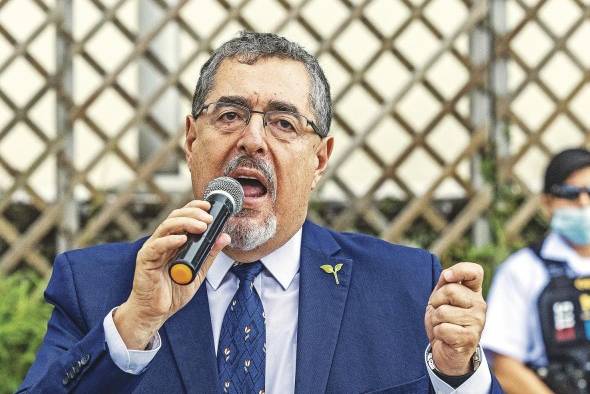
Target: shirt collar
{"type": "Point", "coordinates": [282, 264]}
{"type": "Point", "coordinates": [556, 248]}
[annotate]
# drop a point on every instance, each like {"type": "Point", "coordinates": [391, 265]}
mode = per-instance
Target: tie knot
{"type": "Point", "coordinates": [247, 271]}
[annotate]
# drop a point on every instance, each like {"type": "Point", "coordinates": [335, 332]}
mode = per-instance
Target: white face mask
{"type": "Point", "coordinates": [573, 224]}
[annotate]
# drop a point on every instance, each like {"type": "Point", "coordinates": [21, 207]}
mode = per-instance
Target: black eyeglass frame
{"type": "Point", "coordinates": [310, 123]}
{"type": "Point", "coordinates": [568, 192]}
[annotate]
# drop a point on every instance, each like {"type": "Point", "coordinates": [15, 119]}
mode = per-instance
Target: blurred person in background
{"type": "Point", "coordinates": [538, 318]}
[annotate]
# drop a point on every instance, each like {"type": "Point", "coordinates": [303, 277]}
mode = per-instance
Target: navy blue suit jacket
{"type": "Point", "coordinates": [365, 335]}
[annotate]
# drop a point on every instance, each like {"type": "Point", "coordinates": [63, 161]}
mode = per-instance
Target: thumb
{"type": "Point", "coordinates": [469, 275]}
{"type": "Point", "coordinates": [221, 242]}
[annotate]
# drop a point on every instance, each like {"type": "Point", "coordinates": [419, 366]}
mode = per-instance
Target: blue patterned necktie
{"type": "Point", "coordinates": [241, 352]}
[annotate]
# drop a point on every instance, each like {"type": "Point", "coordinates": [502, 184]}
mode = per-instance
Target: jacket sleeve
{"type": "Point", "coordinates": [73, 357]}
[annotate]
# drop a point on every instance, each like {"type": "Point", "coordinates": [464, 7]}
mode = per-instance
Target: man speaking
{"type": "Point", "coordinates": [280, 305]}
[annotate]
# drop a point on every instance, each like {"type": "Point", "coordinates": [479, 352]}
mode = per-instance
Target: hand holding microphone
{"type": "Point", "coordinates": [155, 296]}
{"type": "Point", "coordinates": [226, 197]}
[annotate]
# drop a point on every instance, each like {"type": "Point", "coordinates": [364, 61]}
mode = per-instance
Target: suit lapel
{"type": "Point", "coordinates": [191, 340]}
{"type": "Point", "coordinates": [321, 306]}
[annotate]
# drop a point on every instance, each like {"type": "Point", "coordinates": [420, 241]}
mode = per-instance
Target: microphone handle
{"type": "Point", "coordinates": [194, 252]}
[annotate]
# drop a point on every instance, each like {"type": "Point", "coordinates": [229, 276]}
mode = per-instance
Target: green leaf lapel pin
{"type": "Point", "coordinates": [327, 268]}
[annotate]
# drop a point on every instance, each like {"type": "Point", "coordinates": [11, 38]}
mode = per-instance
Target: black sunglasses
{"type": "Point", "coordinates": [569, 192]}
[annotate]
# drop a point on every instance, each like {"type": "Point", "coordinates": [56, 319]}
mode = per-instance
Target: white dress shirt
{"type": "Point", "coordinates": [278, 288]}
{"type": "Point", "coordinates": [512, 325]}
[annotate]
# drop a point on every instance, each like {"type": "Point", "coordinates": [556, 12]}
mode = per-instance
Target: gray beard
{"type": "Point", "coordinates": [247, 237]}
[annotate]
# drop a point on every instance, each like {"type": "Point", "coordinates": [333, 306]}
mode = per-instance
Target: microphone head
{"type": "Point", "coordinates": [230, 188]}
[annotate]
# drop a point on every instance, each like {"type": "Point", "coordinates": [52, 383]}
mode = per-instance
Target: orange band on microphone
{"type": "Point", "coordinates": [181, 274]}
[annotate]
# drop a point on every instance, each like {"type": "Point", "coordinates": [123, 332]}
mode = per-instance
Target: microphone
{"type": "Point", "coordinates": [226, 197]}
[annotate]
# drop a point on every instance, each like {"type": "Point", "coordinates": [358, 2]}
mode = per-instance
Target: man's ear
{"type": "Point", "coordinates": [323, 153]}
{"type": "Point", "coordinates": [190, 134]}
{"type": "Point", "coordinates": [547, 205]}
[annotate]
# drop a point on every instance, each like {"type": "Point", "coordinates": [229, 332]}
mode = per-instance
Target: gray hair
{"type": "Point", "coordinates": [251, 46]}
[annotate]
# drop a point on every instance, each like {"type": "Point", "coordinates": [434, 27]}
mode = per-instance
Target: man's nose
{"type": "Point", "coordinates": [252, 139]}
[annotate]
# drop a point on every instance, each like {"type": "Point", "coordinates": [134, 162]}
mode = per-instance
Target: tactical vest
{"type": "Point", "coordinates": [564, 314]}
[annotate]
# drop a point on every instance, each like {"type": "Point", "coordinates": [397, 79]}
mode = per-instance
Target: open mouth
{"type": "Point", "coordinates": [252, 187]}
{"type": "Point", "coordinates": [255, 183]}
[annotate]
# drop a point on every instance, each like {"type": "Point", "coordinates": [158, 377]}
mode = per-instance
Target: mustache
{"type": "Point", "coordinates": [245, 161]}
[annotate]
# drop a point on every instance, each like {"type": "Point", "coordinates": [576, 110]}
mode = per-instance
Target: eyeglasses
{"type": "Point", "coordinates": [231, 118]}
{"type": "Point", "coordinates": [569, 192]}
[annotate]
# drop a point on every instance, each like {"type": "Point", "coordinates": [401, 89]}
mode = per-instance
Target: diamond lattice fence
{"type": "Point", "coordinates": [548, 91]}
{"type": "Point", "coordinates": [93, 94]}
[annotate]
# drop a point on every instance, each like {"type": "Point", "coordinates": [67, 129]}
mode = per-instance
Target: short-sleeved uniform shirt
{"type": "Point", "coordinates": [512, 321]}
